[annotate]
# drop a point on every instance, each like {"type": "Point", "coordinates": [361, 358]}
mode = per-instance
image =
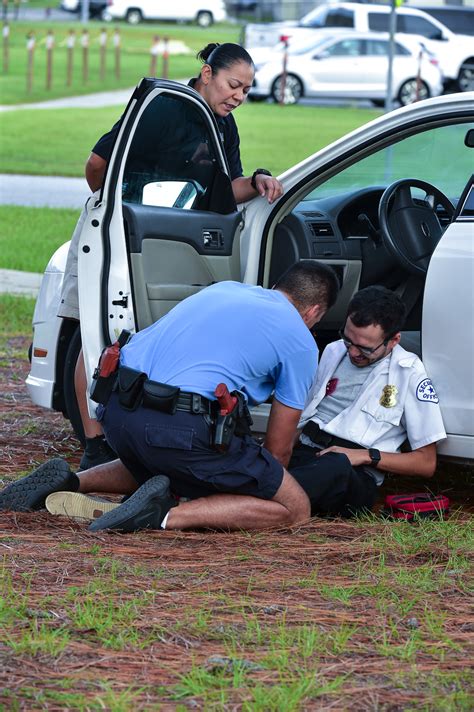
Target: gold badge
{"type": "Point", "coordinates": [388, 398]}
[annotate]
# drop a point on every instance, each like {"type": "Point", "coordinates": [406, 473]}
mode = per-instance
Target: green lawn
{"type": "Point", "coordinates": [58, 141]}
{"type": "Point", "coordinates": [29, 236]}
{"type": "Point", "coordinates": [135, 57]}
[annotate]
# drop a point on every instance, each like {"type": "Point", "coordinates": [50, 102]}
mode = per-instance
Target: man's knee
{"type": "Point", "coordinates": [294, 500]}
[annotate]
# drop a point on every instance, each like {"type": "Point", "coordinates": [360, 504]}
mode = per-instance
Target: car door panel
{"type": "Point", "coordinates": [172, 258]}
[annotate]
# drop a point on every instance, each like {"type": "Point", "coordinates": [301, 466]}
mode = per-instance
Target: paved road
{"type": "Point", "coordinates": [43, 191]}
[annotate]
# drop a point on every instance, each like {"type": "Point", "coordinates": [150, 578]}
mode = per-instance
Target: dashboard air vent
{"type": "Point", "coordinates": [321, 229]}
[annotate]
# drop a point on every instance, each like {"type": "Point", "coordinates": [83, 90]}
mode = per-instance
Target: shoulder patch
{"type": "Point", "coordinates": [426, 392]}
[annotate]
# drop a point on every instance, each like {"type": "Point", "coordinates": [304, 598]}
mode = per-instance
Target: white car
{"type": "Point", "coordinates": [203, 12]}
{"type": "Point", "coordinates": [348, 65]}
{"type": "Point", "coordinates": [391, 203]}
{"type": "Point", "coordinates": [455, 52]}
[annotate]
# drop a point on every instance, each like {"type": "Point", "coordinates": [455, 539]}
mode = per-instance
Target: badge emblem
{"type": "Point", "coordinates": [388, 398]}
{"type": "Point", "coordinates": [426, 392]}
{"type": "Point", "coordinates": [331, 386]}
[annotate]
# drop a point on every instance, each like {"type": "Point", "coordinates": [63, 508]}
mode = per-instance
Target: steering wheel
{"type": "Point", "coordinates": [411, 229]}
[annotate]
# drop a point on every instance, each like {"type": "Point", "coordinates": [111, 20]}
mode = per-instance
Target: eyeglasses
{"type": "Point", "coordinates": [364, 350]}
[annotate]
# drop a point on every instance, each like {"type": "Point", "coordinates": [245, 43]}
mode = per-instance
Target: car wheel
{"type": "Point", "coordinates": [204, 19]}
{"type": "Point", "coordinates": [466, 77]}
{"type": "Point", "coordinates": [70, 399]}
{"type": "Point", "coordinates": [412, 91]}
{"type": "Point", "coordinates": [380, 103]}
{"type": "Point", "coordinates": [293, 90]}
{"type": "Point", "coordinates": [134, 16]}
{"type": "Point", "coordinates": [105, 16]}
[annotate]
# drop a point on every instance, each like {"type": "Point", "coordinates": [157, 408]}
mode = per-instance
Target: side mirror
{"type": "Point", "coordinates": [320, 55]}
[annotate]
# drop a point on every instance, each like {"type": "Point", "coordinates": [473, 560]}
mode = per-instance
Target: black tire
{"type": "Point", "coordinates": [204, 18]}
{"type": "Point", "coordinates": [407, 94]}
{"type": "Point", "coordinates": [465, 80]}
{"type": "Point", "coordinates": [134, 16]}
{"type": "Point", "coordinates": [379, 103]}
{"type": "Point", "coordinates": [70, 399]}
{"type": "Point", "coordinates": [293, 89]}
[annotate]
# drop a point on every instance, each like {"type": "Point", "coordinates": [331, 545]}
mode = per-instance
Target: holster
{"type": "Point", "coordinates": [237, 422]}
{"type": "Point", "coordinates": [102, 387]}
{"type": "Point", "coordinates": [130, 387]}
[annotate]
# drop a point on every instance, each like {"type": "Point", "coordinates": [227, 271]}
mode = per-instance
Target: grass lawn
{"type": "Point", "coordinates": [57, 142]}
{"type": "Point", "coordinates": [135, 57]}
{"type": "Point", "coordinates": [29, 236]}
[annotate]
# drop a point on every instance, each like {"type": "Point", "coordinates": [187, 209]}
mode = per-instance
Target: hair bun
{"type": "Point", "coordinates": [206, 51]}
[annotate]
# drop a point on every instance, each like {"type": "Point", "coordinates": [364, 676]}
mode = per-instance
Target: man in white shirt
{"type": "Point", "coordinates": [371, 410]}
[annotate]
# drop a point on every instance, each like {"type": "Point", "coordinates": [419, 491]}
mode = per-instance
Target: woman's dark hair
{"type": "Point", "coordinates": [223, 56]}
{"type": "Point", "coordinates": [380, 306]}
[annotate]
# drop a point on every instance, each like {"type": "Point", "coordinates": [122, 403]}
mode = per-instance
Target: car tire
{"type": "Point", "coordinates": [379, 103]}
{"type": "Point", "coordinates": [465, 80]}
{"type": "Point", "coordinates": [408, 94]}
{"type": "Point", "coordinates": [204, 18]}
{"type": "Point", "coordinates": [105, 16]}
{"type": "Point", "coordinates": [134, 16]}
{"type": "Point", "coordinates": [293, 89]}
{"type": "Point", "coordinates": [70, 399]}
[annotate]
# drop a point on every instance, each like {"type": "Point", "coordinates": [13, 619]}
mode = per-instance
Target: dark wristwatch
{"type": "Point", "coordinates": [258, 172]}
{"type": "Point", "coordinates": [374, 455]}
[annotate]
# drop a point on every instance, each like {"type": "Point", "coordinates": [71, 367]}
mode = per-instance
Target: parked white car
{"type": "Point", "coordinates": [391, 203]}
{"type": "Point", "coordinates": [348, 65]}
{"type": "Point", "coordinates": [203, 12]}
{"type": "Point", "coordinates": [455, 52]}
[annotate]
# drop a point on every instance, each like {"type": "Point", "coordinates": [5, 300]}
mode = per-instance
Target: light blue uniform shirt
{"type": "Point", "coordinates": [250, 338]}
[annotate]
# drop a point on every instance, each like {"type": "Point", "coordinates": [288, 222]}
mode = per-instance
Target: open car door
{"type": "Point", "coordinates": [165, 224]}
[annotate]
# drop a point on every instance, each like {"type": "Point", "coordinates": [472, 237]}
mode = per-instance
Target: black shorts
{"type": "Point", "coordinates": [152, 443]}
{"type": "Point", "coordinates": [333, 486]}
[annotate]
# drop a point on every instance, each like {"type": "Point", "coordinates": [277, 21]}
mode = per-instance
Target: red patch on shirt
{"type": "Point", "coordinates": [331, 386]}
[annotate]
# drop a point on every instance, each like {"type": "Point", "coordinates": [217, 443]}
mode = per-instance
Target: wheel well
{"type": "Point", "coordinates": [468, 60]}
{"type": "Point", "coordinates": [134, 9]}
{"type": "Point", "coordinates": [67, 331]}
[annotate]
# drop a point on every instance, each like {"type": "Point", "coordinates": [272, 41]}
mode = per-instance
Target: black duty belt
{"type": "Point", "coordinates": [322, 439]}
{"type": "Point", "coordinates": [135, 389]}
{"type": "Point", "coordinates": [194, 403]}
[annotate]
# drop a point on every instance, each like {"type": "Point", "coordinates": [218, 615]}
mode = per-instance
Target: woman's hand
{"type": "Point", "coordinates": [269, 187]}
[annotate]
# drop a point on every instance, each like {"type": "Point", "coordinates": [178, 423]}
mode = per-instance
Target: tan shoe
{"type": "Point", "coordinates": [78, 506]}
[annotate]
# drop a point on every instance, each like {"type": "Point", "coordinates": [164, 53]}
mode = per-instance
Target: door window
{"type": "Point", "coordinates": [172, 160]}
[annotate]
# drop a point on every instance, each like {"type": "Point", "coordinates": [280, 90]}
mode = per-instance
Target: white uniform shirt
{"type": "Point", "coordinates": [381, 417]}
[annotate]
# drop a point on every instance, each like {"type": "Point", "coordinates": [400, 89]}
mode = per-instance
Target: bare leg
{"type": "Point", "coordinates": [91, 427]}
{"type": "Point", "coordinates": [289, 506]}
{"type": "Point", "coordinates": [112, 477]}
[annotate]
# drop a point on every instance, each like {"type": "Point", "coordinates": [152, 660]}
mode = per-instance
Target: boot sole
{"type": "Point", "coordinates": [29, 493]}
{"type": "Point", "coordinates": [78, 506]}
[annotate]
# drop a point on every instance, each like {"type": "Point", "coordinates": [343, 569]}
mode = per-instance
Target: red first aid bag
{"type": "Point", "coordinates": [421, 504]}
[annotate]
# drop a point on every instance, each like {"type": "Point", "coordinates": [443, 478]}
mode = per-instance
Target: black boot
{"type": "Point", "coordinates": [97, 452]}
{"type": "Point", "coordinates": [30, 492]}
{"type": "Point", "coordinates": [144, 509]}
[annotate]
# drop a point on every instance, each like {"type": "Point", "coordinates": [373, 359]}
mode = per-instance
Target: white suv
{"type": "Point", "coordinates": [204, 12]}
{"type": "Point", "coordinates": [454, 52]}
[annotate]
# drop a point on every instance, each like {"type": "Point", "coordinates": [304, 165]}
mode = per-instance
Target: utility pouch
{"type": "Point", "coordinates": [160, 396]}
{"type": "Point", "coordinates": [130, 387]}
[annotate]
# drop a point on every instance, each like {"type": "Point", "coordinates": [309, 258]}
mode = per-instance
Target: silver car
{"type": "Point", "coordinates": [347, 65]}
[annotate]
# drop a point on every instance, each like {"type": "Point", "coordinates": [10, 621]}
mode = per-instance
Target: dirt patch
{"type": "Point", "coordinates": [340, 615]}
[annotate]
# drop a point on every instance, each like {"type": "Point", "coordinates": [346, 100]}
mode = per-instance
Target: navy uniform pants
{"type": "Point", "coordinates": [333, 486]}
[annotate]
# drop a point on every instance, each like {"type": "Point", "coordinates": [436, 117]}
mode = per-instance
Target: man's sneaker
{"type": "Point", "coordinates": [78, 506]}
{"type": "Point", "coordinates": [144, 509]}
{"type": "Point", "coordinates": [97, 452]}
{"type": "Point", "coordinates": [30, 492]}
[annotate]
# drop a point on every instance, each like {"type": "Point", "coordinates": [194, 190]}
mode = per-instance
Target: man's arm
{"type": "Point", "coordinates": [420, 462]}
{"type": "Point", "coordinates": [95, 171]}
{"type": "Point", "coordinates": [281, 431]}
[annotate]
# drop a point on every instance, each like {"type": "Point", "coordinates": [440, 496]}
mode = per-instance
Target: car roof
{"type": "Point", "coordinates": [337, 33]}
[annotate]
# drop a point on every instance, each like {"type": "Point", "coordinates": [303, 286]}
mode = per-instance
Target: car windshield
{"type": "Point", "coordinates": [423, 156]}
